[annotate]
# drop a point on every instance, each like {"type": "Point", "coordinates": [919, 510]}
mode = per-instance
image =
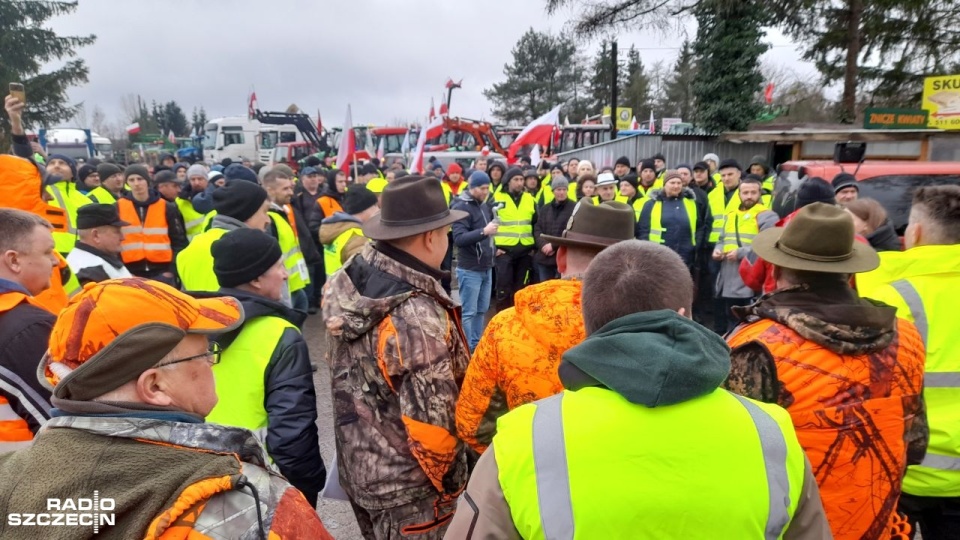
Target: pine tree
{"type": "Point", "coordinates": [26, 46]}
{"type": "Point", "coordinates": [727, 50]}
{"type": "Point", "coordinates": [678, 90]}
{"type": "Point", "coordinates": [636, 90]}
{"type": "Point", "coordinates": [601, 82]}
{"type": "Point", "coordinates": [543, 74]}
{"type": "Point", "coordinates": [175, 120]}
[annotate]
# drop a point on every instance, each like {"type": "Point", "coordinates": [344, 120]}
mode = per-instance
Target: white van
{"type": "Point", "coordinates": [233, 137]}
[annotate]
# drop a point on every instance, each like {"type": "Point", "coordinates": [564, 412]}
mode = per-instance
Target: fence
{"type": "Point", "coordinates": [676, 148]}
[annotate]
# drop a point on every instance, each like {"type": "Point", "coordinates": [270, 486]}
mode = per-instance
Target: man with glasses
{"type": "Point", "coordinates": [265, 381]}
{"type": "Point", "coordinates": [130, 368]}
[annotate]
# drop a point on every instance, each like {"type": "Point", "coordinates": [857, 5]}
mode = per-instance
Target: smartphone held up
{"type": "Point", "coordinates": [17, 91]}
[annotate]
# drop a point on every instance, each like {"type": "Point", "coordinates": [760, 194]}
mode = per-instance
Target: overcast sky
{"type": "Point", "coordinates": [384, 57]}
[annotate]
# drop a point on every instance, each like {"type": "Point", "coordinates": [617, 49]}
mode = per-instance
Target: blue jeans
{"type": "Point", "coordinates": [547, 272]}
{"type": "Point", "coordinates": [475, 289]}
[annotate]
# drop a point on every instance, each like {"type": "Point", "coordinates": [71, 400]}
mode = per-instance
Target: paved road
{"type": "Point", "coordinates": [336, 515]}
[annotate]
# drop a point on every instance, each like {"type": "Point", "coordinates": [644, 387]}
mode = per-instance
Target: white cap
{"type": "Point", "coordinates": [606, 179]}
{"type": "Point", "coordinates": [214, 174]}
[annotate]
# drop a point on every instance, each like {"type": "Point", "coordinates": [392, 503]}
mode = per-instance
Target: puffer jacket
{"type": "Point", "coordinates": [850, 373]}
{"type": "Point", "coordinates": [552, 220]}
{"type": "Point", "coordinates": [885, 238]}
{"type": "Point", "coordinates": [476, 250]}
{"type": "Point", "coordinates": [290, 398]}
{"type": "Point", "coordinates": [517, 357]}
{"type": "Point", "coordinates": [397, 356]}
{"type": "Point", "coordinates": [208, 471]}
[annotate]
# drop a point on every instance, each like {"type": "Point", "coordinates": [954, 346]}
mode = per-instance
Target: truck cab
{"type": "Point", "coordinates": [231, 137]}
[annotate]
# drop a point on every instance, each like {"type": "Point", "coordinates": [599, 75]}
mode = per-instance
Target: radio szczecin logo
{"type": "Point", "coordinates": [81, 512]}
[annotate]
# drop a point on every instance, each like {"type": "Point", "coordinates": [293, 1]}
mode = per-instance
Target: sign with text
{"type": "Point", "coordinates": [879, 118]}
{"type": "Point", "coordinates": [941, 98]}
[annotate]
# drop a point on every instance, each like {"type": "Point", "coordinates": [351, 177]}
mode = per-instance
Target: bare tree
{"type": "Point", "coordinates": [80, 118]}
{"type": "Point", "coordinates": [98, 120]}
{"type": "Point", "coordinates": [130, 107]}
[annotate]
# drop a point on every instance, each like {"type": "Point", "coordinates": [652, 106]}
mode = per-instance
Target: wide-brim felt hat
{"type": "Point", "coordinates": [819, 238]}
{"type": "Point", "coordinates": [410, 206]}
{"type": "Point", "coordinates": [597, 226]}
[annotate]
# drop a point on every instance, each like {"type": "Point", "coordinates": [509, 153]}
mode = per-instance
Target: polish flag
{"type": "Point", "coordinates": [172, 138]}
{"type": "Point", "coordinates": [634, 124]}
{"type": "Point", "coordinates": [133, 128]}
{"type": "Point", "coordinates": [381, 148]}
{"type": "Point", "coordinates": [433, 130]}
{"type": "Point", "coordinates": [348, 143]}
{"type": "Point", "coordinates": [535, 158]}
{"type": "Point", "coordinates": [768, 93]}
{"type": "Point", "coordinates": [443, 109]}
{"type": "Point", "coordinates": [319, 123]}
{"type": "Point", "coordinates": [538, 132]}
{"type": "Point", "coordinates": [432, 111]}
{"type": "Point", "coordinates": [450, 84]}
{"type": "Point", "coordinates": [653, 123]}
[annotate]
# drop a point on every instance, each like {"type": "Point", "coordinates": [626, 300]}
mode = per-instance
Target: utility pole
{"type": "Point", "coordinates": [614, 77]}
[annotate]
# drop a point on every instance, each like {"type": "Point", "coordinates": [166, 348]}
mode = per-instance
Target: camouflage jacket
{"type": "Point", "coordinates": [397, 356]}
{"type": "Point", "coordinates": [166, 479]}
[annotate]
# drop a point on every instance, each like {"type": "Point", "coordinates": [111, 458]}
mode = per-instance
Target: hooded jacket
{"type": "Point", "coordinates": [290, 398]}
{"type": "Point", "coordinates": [166, 472]}
{"type": "Point", "coordinates": [332, 227]}
{"type": "Point", "coordinates": [476, 251]}
{"type": "Point", "coordinates": [306, 203]}
{"type": "Point", "coordinates": [330, 200]}
{"type": "Point", "coordinates": [552, 219]}
{"type": "Point", "coordinates": [652, 359]}
{"type": "Point", "coordinates": [397, 356]}
{"type": "Point", "coordinates": [517, 357]}
{"type": "Point", "coordinates": [850, 373]}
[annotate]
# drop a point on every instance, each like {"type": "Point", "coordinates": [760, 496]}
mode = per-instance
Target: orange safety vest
{"type": "Point", "coordinates": [13, 429]}
{"type": "Point", "coordinates": [291, 218]}
{"type": "Point", "coordinates": [329, 205]}
{"type": "Point", "coordinates": [850, 412]}
{"type": "Point", "coordinates": [149, 240]}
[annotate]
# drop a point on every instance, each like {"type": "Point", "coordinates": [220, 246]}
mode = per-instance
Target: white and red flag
{"type": "Point", "coordinates": [348, 143]}
{"type": "Point", "coordinates": [538, 132]}
{"type": "Point", "coordinates": [432, 130]}
{"type": "Point", "coordinates": [634, 124]}
{"type": "Point", "coordinates": [133, 128]}
{"type": "Point", "coordinates": [653, 123]}
{"type": "Point", "coordinates": [252, 106]}
{"type": "Point", "coordinates": [433, 112]}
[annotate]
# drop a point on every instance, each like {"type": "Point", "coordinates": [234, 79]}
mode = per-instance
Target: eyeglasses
{"type": "Point", "coordinates": [213, 353]}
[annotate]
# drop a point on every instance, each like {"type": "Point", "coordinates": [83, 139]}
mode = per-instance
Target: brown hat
{"type": "Point", "coordinates": [410, 206]}
{"type": "Point", "coordinates": [597, 226]}
{"type": "Point", "coordinates": [819, 238]}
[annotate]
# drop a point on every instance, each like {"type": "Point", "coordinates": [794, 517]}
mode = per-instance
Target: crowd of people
{"type": "Point", "coordinates": [154, 315]}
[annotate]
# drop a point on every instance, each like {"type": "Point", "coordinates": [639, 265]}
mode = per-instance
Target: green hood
{"type": "Point", "coordinates": [652, 358]}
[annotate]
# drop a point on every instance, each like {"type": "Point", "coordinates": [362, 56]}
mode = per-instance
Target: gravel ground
{"type": "Point", "coordinates": [337, 516]}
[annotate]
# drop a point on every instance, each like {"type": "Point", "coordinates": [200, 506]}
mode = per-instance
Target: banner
{"type": "Point", "coordinates": [941, 99]}
{"type": "Point", "coordinates": [624, 114]}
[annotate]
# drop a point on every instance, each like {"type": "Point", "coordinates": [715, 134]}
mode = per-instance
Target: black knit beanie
{"type": "Point", "coordinates": [139, 170]}
{"type": "Point", "coordinates": [239, 199]}
{"type": "Point", "coordinates": [357, 199]}
{"type": "Point", "coordinates": [106, 170]}
{"type": "Point", "coordinates": [243, 255]}
{"type": "Point", "coordinates": [813, 190]}
{"type": "Point", "coordinates": [632, 179]}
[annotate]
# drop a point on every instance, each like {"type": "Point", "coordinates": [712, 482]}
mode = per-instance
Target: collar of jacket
{"type": "Point", "coordinates": [153, 197]}
{"type": "Point", "coordinates": [256, 306]}
{"type": "Point", "coordinates": [409, 261]}
{"type": "Point", "coordinates": [12, 286]}
{"type": "Point", "coordinates": [221, 221]}
{"type": "Point", "coordinates": [650, 358]}
{"type": "Point", "coordinates": [112, 260]}
{"type": "Point", "coordinates": [832, 316]}
{"type": "Point", "coordinates": [69, 407]}
{"type": "Point", "coordinates": [200, 435]}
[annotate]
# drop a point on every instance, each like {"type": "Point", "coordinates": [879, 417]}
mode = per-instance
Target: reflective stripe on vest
{"type": "Point", "coordinates": [516, 223]}
{"type": "Point", "coordinates": [931, 380]}
{"type": "Point", "coordinates": [293, 261]}
{"type": "Point", "coordinates": [775, 462]}
{"type": "Point", "coordinates": [719, 208]}
{"type": "Point", "coordinates": [656, 220]}
{"type": "Point", "coordinates": [64, 241]}
{"type": "Point", "coordinates": [192, 220]}
{"type": "Point", "coordinates": [148, 240]}
{"type": "Point", "coordinates": [553, 481]}
{"type": "Point", "coordinates": [740, 227]}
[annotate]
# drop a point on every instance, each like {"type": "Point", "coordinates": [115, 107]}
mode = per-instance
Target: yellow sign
{"type": "Point", "coordinates": [624, 115]}
{"type": "Point", "coordinates": [941, 98]}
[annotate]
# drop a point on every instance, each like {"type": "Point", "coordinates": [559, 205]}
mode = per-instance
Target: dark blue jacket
{"type": "Point", "coordinates": [476, 250]}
